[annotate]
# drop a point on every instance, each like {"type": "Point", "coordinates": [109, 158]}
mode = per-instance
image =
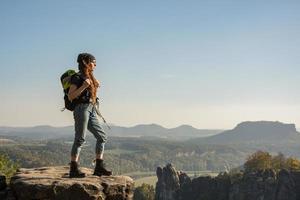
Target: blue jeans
{"type": "Point", "coordinates": [85, 117]}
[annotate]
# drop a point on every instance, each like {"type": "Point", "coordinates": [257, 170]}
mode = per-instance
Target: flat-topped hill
{"type": "Point", "coordinates": [256, 132]}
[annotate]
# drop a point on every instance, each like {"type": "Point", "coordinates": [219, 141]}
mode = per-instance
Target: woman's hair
{"type": "Point", "coordinates": [87, 58]}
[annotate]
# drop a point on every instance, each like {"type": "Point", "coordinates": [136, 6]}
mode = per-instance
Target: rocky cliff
{"type": "Point", "coordinates": [53, 183]}
{"type": "Point", "coordinates": [260, 185]}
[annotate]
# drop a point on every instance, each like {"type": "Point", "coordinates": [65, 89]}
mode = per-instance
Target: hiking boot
{"type": "Point", "coordinates": [74, 171]}
{"type": "Point", "coordinates": [100, 169]}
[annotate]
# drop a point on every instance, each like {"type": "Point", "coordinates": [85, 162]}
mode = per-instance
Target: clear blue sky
{"type": "Point", "coordinates": [210, 64]}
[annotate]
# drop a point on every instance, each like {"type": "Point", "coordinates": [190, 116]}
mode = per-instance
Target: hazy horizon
{"type": "Point", "coordinates": [134, 125]}
{"type": "Point", "coordinates": [208, 64]}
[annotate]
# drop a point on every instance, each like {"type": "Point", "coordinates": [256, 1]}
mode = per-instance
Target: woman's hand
{"type": "Point", "coordinates": [86, 83]}
{"type": "Point", "coordinates": [98, 83]}
{"type": "Point", "coordinates": [74, 92]}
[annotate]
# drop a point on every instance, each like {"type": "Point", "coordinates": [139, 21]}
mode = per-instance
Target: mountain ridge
{"type": "Point", "coordinates": [183, 132]}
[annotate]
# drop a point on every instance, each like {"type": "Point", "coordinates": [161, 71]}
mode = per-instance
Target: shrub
{"type": "Point", "coordinates": [144, 192]}
{"type": "Point", "coordinates": [7, 167]}
{"type": "Point", "coordinates": [292, 164]}
{"type": "Point", "coordinates": [261, 160]}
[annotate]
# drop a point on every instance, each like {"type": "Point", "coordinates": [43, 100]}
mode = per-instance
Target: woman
{"type": "Point", "coordinates": [83, 92]}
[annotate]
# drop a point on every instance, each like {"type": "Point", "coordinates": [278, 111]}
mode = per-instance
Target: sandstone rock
{"type": "Point", "coordinates": [54, 183]}
{"type": "Point", "coordinates": [286, 186]}
{"type": "Point", "coordinates": [258, 185]}
{"type": "Point", "coordinates": [7, 194]}
{"type": "Point", "coordinates": [206, 188]}
{"type": "Point", "coordinates": [3, 191]}
{"type": "Point", "coordinates": [2, 182]}
{"type": "Point", "coordinates": [168, 184]}
{"type": "Point", "coordinates": [3, 194]}
{"type": "Point", "coordinates": [184, 179]}
{"type": "Point", "coordinates": [266, 185]}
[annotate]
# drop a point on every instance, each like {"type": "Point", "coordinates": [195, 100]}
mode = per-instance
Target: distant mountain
{"type": "Point", "coordinates": [256, 132]}
{"type": "Point", "coordinates": [183, 132]}
{"type": "Point", "coordinates": [137, 131]}
{"type": "Point", "coordinates": [37, 132]}
{"type": "Point", "coordinates": [149, 131]}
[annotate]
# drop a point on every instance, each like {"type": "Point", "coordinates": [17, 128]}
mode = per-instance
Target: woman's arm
{"type": "Point", "coordinates": [74, 92]}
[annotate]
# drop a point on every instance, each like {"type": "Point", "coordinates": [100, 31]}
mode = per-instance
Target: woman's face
{"type": "Point", "coordinates": [92, 64]}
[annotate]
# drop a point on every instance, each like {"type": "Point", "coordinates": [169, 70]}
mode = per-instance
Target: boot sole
{"type": "Point", "coordinates": [102, 174]}
{"type": "Point", "coordinates": [77, 176]}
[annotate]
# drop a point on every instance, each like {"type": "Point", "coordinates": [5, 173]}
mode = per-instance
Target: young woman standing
{"type": "Point", "coordinates": [83, 92]}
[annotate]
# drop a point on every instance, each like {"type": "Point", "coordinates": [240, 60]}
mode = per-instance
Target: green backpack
{"type": "Point", "coordinates": [65, 80]}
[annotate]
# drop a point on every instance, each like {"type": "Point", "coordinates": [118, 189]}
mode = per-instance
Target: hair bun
{"type": "Point", "coordinates": [85, 56]}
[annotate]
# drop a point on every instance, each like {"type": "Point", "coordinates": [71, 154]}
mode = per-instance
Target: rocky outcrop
{"type": "Point", "coordinates": [266, 185]}
{"type": "Point", "coordinates": [54, 183]}
{"type": "Point", "coordinates": [3, 191]}
{"type": "Point", "coordinates": [2, 182]}
{"type": "Point", "coordinates": [168, 183]}
{"type": "Point", "coordinates": [260, 185]}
